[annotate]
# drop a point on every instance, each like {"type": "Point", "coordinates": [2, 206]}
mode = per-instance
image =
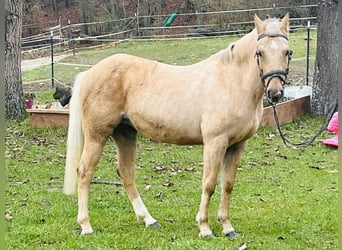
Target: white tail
{"type": "Point", "coordinates": [75, 139]}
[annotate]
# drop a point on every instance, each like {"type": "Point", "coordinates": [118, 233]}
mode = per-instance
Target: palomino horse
{"type": "Point", "coordinates": [217, 102]}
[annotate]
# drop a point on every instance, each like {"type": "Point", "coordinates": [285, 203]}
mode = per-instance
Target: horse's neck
{"type": "Point", "coordinates": [241, 57]}
{"type": "Point", "coordinates": [244, 58]}
{"type": "Point", "coordinates": [245, 48]}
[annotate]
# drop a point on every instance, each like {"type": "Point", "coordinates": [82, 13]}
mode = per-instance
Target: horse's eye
{"type": "Point", "coordinates": [289, 52]}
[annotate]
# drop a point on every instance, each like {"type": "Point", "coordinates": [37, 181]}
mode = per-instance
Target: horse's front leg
{"type": "Point", "coordinates": [230, 165]}
{"type": "Point", "coordinates": [213, 157]}
{"type": "Point", "coordinates": [89, 159]}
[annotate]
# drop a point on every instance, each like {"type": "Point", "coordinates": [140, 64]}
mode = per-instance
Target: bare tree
{"type": "Point", "coordinates": [83, 16]}
{"type": "Point", "coordinates": [325, 87]}
{"type": "Point", "coordinates": [14, 97]}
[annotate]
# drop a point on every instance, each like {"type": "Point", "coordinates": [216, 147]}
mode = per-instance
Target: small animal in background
{"type": "Point", "coordinates": [63, 95]}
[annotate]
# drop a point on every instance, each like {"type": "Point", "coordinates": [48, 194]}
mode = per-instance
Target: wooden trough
{"type": "Point", "coordinates": [287, 112]}
{"type": "Point", "coordinates": [48, 117]}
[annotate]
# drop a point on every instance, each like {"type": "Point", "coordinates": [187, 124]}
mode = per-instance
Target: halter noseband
{"type": "Point", "coordinates": [281, 74]}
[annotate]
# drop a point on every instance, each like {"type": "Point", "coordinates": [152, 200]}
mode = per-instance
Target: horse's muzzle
{"type": "Point", "coordinates": [274, 82]}
{"type": "Point", "coordinates": [275, 95]}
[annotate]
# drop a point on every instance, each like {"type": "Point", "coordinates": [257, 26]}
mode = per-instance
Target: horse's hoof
{"type": "Point", "coordinates": [88, 231]}
{"type": "Point", "coordinates": [155, 225]}
{"type": "Point", "coordinates": [232, 234]}
{"type": "Point", "coordinates": [209, 236]}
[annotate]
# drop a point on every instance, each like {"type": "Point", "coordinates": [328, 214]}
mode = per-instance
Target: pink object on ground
{"type": "Point", "coordinates": [333, 128]}
{"type": "Point", "coordinates": [28, 104]}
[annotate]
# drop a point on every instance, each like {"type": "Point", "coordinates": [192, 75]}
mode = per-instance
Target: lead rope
{"type": "Point", "coordinates": [305, 143]}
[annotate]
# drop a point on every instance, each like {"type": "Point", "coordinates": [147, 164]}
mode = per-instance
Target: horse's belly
{"type": "Point", "coordinates": [182, 132]}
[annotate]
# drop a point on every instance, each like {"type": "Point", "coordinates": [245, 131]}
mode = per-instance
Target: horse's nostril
{"type": "Point", "coordinates": [275, 95]}
{"type": "Point", "coordinates": [275, 99]}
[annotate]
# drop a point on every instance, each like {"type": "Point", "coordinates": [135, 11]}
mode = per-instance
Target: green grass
{"type": "Point", "coordinates": [298, 44]}
{"type": "Point", "coordinates": [179, 52]}
{"type": "Point", "coordinates": [283, 198]}
{"type": "Point", "coordinates": [44, 96]}
{"type": "Point", "coordinates": [196, 50]}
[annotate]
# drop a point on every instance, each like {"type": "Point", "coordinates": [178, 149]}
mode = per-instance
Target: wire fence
{"type": "Point", "coordinates": [72, 37]}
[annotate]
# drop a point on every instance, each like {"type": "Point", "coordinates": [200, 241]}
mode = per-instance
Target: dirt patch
{"type": "Point", "coordinates": [37, 62]}
{"type": "Point", "coordinates": [40, 86]}
{"type": "Point", "coordinates": [297, 75]}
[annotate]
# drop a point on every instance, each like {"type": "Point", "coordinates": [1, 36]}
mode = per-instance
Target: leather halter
{"type": "Point", "coordinates": [281, 74]}
{"type": "Point", "coordinates": [272, 35]}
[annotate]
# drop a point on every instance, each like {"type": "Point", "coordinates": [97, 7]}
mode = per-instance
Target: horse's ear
{"type": "Point", "coordinates": [285, 24]}
{"type": "Point", "coordinates": [259, 24]}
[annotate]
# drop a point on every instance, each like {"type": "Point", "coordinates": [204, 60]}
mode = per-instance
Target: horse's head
{"type": "Point", "coordinates": [273, 55]}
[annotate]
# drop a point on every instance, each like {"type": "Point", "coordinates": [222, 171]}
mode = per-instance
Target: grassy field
{"type": "Point", "coordinates": [284, 198]}
{"type": "Point", "coordinates": [178, 52]}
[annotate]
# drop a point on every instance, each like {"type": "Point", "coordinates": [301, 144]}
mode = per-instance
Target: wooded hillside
{"type": "Point", "coordinates": [39, 15]}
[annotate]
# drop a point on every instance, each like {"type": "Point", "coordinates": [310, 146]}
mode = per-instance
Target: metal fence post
{"type": "Point", "coordinates": [308, 53]}
{"type": "Point", "coordinates": [52, 64]}
{"type": "Point", "coordinates": [71, 39]}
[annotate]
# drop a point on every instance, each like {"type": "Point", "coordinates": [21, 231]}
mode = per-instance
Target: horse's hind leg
{"type": "Point", "coordinates": [89, 159]}
{"type": "Point", "coordinates": [125, 138]}
{"type": "Point", "coordinates": [230, 165]}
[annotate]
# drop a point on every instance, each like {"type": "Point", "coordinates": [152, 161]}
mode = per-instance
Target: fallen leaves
{"type": "Point", "coordinates": [242, 246]}
{"type": "Point", "coordinates": [271, 136]}
{"type": "Point", "coordinates": [318, 167]}
{"type": "Point", "coordinates": [40, 141]}
{"type": "Point", "coordinates": [262, 199]}
{"type": "Point", "coordinates": [159, 168]}
{"type": "Point", "coordinates": [24, 201]}
{"type": "Point", "coordinates": [173, 170]}
{"type": "Point", "coordinates": [97, 180]}
{"type": "Point", "coordinates": [168, 183]}
{"type": "Point", "coordinates": [159, 195]}
{"type": "Point", "coordinates": [45, 203]}
{"type": "Point", "coordinates": [170, 220]}
{"type": "Point", "coordinates": [18, 183]}
{"type": "Point", "coordinates": [8, 216]}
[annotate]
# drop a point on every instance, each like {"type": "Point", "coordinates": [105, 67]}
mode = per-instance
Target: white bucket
{"type": "Point", "coordinates": [56, 105]}
{"type": "Point", "coordinates": [293, 92]}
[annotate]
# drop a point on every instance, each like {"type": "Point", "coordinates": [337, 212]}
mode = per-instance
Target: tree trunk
{"type": "Point", "coordinates": [82, 14]}
{"type": "Point", "coordinates": [54, 7]}
{"type": "Point", "coordinates": [14, 97]}
{"type": "Point", "coordinates": [325, 87]}
{"type": "Point", "coordinates": [117, 9]}
{"type": "Point", "coordinates": [68, 3]}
